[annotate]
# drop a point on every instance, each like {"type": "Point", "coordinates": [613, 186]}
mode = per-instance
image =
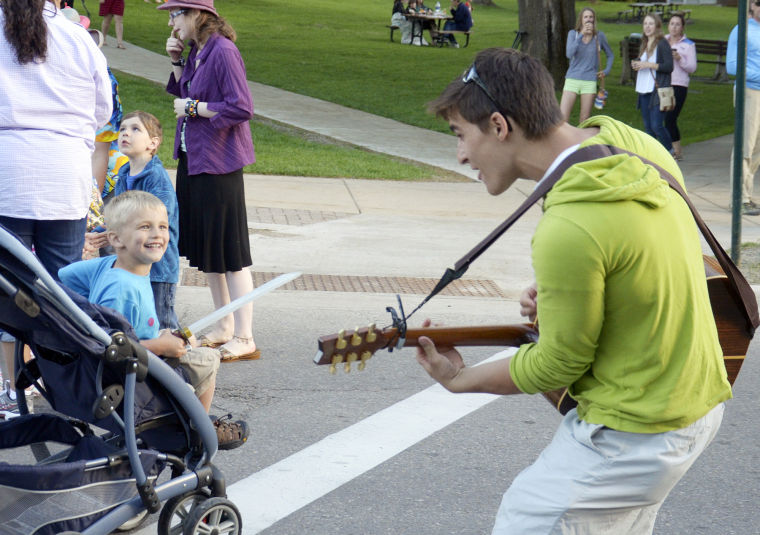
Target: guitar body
{"type": "Point", "coordinates": [732, 331]}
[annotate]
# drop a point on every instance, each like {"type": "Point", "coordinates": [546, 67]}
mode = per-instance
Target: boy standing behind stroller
{"type": "Point", "coordinates": [140, 135]}
{"type": "Point", "coordinates": [138, 230]}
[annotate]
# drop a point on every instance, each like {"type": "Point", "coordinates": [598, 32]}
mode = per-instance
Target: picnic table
{"type": "Point", "coordinates": [417, 20]}
{"type": "Point", "coordinates": [639, 10]}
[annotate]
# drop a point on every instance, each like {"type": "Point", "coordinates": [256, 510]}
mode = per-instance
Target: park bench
{"type": "Point", "coordinates": [625, 16]}
{"type": "Point", "coordinates": [708, 51]}
{"type": "Point", "coordinates": [393, 28]}
{"type": "Point", "coordinates": [716, 52]}
{"type": "Point", "coordinates": [442, 33]}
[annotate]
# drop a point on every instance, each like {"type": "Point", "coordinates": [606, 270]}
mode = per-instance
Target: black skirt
{"type": "Point", "coordinates": [213, 224]}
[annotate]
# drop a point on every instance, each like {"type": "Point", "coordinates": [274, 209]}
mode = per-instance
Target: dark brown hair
{"type": "Point", "coordinates": [150, 122]}
{"type": "Point", "coordinates": [683, 20]}
{"type": "Point", "coordinates": [207, 24]}
{"type": "Point", "coordinates": [25, 29]}
{"type": "Point", "coordinates": [520, 85]}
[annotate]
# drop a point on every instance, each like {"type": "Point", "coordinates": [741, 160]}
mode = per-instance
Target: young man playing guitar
{"type": "Point", "coordinates": [620, 299]}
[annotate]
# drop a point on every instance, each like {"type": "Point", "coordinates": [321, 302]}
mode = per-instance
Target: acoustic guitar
{"type": "Point", "coordinates": [358, 346]}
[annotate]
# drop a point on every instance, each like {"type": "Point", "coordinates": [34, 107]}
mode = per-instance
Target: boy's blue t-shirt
{"type": "Point", "coordinates": [154, 179]}
{"type": "Point", "coordinates": [125, 292]}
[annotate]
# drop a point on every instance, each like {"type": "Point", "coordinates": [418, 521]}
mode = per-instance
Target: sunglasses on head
{"type": "Point", "coordinates": [471, 75]}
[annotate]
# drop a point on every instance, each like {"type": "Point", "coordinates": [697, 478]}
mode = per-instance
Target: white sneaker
{"type": "Point", "coordinates": [8, 406]}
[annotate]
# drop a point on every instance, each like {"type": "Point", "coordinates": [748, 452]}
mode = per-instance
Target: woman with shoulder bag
{"type": "Point", "coordinates": [653, 67]}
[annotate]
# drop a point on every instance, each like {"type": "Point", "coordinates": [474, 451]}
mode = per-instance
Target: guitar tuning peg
{"type": "Point", "coordinates": [340, 343]}
{"type": "Point", "coordinates": [364, 358]}
{"type": "Point", "coordinates": [371, 336]}
{"type": "Point", "coordinates": [355, 338]}
{"type": "Point", "coordinates": [337, 359]}
{"type": "Point", "coordinates": [351, 357]}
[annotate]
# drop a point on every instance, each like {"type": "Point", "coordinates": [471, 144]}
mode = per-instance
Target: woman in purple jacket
{"type": "Point", "coordinates": [213, 143]}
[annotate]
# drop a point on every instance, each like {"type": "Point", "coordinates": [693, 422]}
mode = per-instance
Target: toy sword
{"type": "Point", "coordinates": [186, 332]}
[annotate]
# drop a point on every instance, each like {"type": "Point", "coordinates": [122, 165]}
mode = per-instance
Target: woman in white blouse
{"type": "Point", "coordinates": [653, 67]}
{"type": "Point", "coordinates": [55, 93]}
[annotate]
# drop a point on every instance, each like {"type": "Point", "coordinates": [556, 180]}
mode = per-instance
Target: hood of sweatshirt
{"type": "Point", "coordinates": [618, 178]}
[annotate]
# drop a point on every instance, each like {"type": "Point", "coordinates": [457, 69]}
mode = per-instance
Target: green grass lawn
{"type": "Point", "coordinates": [339, 51]}
{"type": "Point", "coordinates": [280, 149]}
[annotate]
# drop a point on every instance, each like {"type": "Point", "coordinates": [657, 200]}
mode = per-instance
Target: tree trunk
{"type": "Point", "coordinates": [547, 23]}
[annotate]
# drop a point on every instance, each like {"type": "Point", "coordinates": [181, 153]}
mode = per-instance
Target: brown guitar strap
{"type": "Point", "coordinates": [742, 293]}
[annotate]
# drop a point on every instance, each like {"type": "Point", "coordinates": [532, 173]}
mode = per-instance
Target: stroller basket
{"type": "Point", "coordinates": [69, 495]}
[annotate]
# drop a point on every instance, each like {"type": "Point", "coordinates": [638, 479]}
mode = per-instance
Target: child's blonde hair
{"type": "Point", "coordinates": [150, 122]}
{"type": "Point", "coordinates": [122, 208]}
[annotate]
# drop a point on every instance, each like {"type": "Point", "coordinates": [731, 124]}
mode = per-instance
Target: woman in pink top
{"type": "Point", "coordinates": [684, 63]}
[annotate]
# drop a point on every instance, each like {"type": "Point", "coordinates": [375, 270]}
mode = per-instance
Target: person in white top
{"type": "Point", "coordinates": [653, 68]}
{"type": "Point", "coordinates": [55, 93]}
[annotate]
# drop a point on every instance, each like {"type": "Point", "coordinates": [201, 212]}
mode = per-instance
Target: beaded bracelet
{"type": "Point", "coordinates": [191, 108]}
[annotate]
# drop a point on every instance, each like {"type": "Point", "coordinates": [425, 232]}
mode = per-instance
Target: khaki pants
{"type": "Point", "coordinates": [751, 148]}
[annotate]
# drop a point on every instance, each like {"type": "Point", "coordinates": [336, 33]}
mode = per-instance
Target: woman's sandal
{"type": "Point", "coordinates": [205, 341]}
{"type": "Point", "coordinates": [228, 356]}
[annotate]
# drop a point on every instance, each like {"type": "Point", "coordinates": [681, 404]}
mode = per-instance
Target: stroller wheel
{"type": "Point", "coordinates": [215, 515]}
{"type": "Point", "coordinates": [133, 522]}
{"type": "Point", "coordinates": [177, 509]}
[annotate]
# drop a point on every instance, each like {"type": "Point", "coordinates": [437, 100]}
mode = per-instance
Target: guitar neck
{"type": "Point", "coordinates": [488, 335]}
{"type": "Point", "coordinates": [360, 344]}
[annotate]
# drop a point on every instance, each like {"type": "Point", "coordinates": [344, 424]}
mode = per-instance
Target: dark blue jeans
{"type": "Point", "coordinates": [57, 242]}
{"type": "Point", "coordinates": [654, 119]}
{"type": "Point", "coordinates": [163, 295]}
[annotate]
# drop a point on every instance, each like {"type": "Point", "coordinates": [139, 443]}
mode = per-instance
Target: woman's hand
{"type": "Point", "coordinates": [174, 46]}
{"type": "Point", "coordinates": [179, 107]}
{"type": "Point", "coordinates": [676, 55]}
{"type": "Point", "coordinates": [528, 300]}
{"type": "Point", "coordinates": [600, 74]}
{"type": "Point", "coordinates": [96, 240]}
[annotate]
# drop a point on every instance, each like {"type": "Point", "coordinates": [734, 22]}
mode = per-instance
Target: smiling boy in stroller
{"type": "Point", "coordinates": [138, 230]}
{"type": "Point", "coordinates": [94, 372]}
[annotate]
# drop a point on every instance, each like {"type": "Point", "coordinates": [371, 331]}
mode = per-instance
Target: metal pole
{"type": "Point", "coordinates": [741, 68]}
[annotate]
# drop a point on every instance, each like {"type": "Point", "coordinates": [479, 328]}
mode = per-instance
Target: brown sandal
{"type": "Point", "coordinates": [229, 434]}
{"type": "Point", "coordinates": [227, 356]}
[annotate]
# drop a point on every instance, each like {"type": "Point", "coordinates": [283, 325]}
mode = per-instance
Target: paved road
{"type": "Point", "coordinates": [380, 451]}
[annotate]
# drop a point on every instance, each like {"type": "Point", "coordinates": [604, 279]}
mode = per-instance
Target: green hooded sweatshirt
{"type": "Point", "coordinates": [623, 310]}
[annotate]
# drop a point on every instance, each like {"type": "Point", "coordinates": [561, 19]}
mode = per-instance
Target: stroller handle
{"type": "Point", "coordinates": [47, 284]}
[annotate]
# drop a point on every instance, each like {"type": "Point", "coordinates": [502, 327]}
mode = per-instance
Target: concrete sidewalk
{"type": "Point", "coordinates": [404, 231]}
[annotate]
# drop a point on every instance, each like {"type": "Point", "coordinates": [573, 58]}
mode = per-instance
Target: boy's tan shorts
{"type": "Point", "coordinates": [201, 365]}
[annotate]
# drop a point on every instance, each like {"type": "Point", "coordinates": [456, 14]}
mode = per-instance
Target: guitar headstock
{"type": "Point", "coordinates": [347, 347]}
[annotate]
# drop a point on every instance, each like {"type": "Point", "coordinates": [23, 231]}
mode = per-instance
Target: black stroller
{"type": "Point", "coordinates": [95, 375]}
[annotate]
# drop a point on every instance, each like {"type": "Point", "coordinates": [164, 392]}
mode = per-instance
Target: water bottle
{"type": "Point", "coordinates": [437, 8]}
